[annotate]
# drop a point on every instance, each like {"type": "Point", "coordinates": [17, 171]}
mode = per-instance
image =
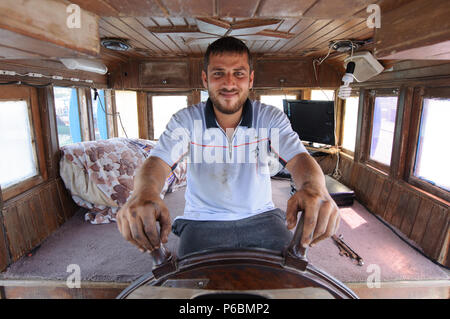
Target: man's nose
{"type": "Point", "coordinates": [229, 80]}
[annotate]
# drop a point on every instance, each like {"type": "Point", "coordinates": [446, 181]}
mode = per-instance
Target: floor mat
{"type": "Point", "coordinates": [103, 255]}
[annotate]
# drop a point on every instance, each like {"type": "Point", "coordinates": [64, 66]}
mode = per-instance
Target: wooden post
{"type": "Point", "coordinates": [142, 115]}
{"type": "Point", "coordinates": [151, 130]}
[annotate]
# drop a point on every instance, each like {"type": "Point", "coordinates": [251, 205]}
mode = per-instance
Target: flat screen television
{"type": "Point", "coordinates": [312, 120]}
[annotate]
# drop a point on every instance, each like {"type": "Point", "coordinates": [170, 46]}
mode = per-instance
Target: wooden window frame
{"type": "Point", "coordinates": [420, 93]}
{"type": "Point", "coordinates": [341, 109]}
{"type": "Point", "coordinates": [367, 118]}
{"type": "Point", "coordinates": [28, 94]}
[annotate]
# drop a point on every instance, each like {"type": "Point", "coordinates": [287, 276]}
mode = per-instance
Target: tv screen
{"type": "Point", "coordinates": [312, 120]}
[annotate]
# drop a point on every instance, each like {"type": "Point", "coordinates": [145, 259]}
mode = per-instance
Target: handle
{"type": "Point", "coordinates": [295, 247]}
{"type": "Point", "coordinates": [160, 256]}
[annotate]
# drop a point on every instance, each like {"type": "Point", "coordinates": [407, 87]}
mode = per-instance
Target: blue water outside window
{"type": "Point", "coordinates": [67, 115]}
{"type": "Point", "coordinates": [99, 114]}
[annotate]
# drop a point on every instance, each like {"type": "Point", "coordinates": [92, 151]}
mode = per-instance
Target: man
{"type": "Point", "coordinates": [228, 194]}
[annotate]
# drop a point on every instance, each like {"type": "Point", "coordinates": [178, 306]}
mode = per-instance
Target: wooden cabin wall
{"type": "Point", "coordinates": [420, 216]}
{"type": "Point", "coordinates": [31, 216]}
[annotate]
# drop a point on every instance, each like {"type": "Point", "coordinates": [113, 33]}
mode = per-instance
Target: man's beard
{"type": "Point", "coordinates": [227, 109]}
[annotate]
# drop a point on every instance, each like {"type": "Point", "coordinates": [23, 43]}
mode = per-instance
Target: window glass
{"type": "Point", "coordinates": [127, 119]}
{"type": "Point", "coordinates": [383, 126]}
{"type": "Point", "coordinates": [204, 95]}
{"type": "Point", "coordinates": [99, 115]}
{"type": "Point", "coordinates": [163, 109]}
{"type": "Point", "coordinates": [350, 123]}
{"type": "Point", "coordinates": [276, 100]}
{"type": "Point", "coordinates": [324, 95]}
{"type": "Point", "coordinates": [432, 156]}
{"type": "Point", "coordinates": [18, 160]}
{"type": "Point", "coordinates": [67, 115]}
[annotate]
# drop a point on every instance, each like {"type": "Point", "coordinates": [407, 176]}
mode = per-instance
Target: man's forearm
{"type": "Point", "coordinates": [305, 171]}
{"type": "Point", "coordinates": [150, 178]}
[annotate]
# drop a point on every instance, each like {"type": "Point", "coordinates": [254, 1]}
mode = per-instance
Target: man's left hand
{"type": "Point", "coordinates": [322, 216]}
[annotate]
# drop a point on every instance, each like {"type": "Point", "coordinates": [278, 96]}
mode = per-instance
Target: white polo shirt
{"type": "Point", "coordinates": [227, 179]}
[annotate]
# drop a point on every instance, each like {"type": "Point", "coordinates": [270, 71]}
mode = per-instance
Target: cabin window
{"type": "Point", "coordinates": [383, 126]}
{"type": "Point", "coordinates": [23, 161]}
{"type": "Point", "coordinates": [99, 115]}
{"type": "Point", "coordinates": [67, 115]}
{"type": "Point", "coordinates": [204, 95]}
{"type": "Point", "coordinates": [350, 123]}
{"type": "Point", "coordinates": [164, 106]}
{"type": "Point", "coordinates": [127, 117]}
{"type": "Point", "coordinates": [324, 95]}
{"type": "Point", "coordinates": [276, 100]}
{"type": "Point", "coordinates": [17, 141]}
{"type": "Point", "coordinates": [432, 156]}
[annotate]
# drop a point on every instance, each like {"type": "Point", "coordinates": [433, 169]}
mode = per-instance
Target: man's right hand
{"type": "Point", "coordinates": [137, 222]}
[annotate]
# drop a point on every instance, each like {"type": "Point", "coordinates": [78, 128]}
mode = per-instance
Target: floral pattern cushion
{"type": "Point", "coordinates": [100, 174]}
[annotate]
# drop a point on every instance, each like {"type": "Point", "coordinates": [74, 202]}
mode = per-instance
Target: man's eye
{"type": "Point", "coordinates": [239, 74]}
{"type": "Point", "coordinates": [217, 74]}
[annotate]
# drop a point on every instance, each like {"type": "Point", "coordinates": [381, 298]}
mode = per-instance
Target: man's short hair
{"type": "Point", "coordinates": [228, 45]}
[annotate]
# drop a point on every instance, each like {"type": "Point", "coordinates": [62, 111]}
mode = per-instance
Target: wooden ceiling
{"type": "Point", "coordinates": [167, 28]}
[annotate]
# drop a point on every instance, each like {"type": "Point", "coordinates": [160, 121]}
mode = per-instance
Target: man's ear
{"type": "Point", "coordinates": [252, 75]}
{"type": "Point", "coordinates": [205, 79]}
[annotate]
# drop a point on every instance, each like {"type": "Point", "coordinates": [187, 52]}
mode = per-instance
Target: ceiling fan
{"type": "Point", "coordinates": [208, 30]}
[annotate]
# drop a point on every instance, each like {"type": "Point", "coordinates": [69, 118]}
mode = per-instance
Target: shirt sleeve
{"type": "Point", "coordinates": [284, 141]}
{"type": "Point", "coordinates": [173, 144]}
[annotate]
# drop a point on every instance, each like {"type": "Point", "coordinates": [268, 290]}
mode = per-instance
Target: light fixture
{"type": "Point", "coordinates": [84, 65]}
{"type": "Point", "coordinates": [115, 44]}
{"type": "Point", "coordinates": [345, 90]}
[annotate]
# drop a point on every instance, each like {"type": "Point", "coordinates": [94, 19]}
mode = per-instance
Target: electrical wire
{"type": "Point", "coordinates": [96, 95]}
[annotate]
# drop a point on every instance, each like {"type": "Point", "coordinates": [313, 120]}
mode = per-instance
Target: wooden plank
{"type": "Point", "coordinates": [49, 211]}
{"type": "Point", "coordinates": [54, 195]}
{"type": "Point", "coordinates": [290, 8]}
{"type": "Point", "coordinates": [142, 115]}
{"type": "Point", "coordinates": [14, 233]}
{"type": "Point", "coordinates": [321, 34]}
{"type": "Point", "coordinates": [401, 208]}
{"type": "Point", "coordinates": [28, 234]}
{"type": "Point", "coordinates": [421, 220]}
{"type": "Point", "coordinates": [313, 28]}
{"type": "Point", "coordinates": [410, 214]}
{"type": "Point", "coordinates": [375, 193]}
{"type": "Point", "coordinates": [299, 28]}
{"type": "Point", "coordinates": [433, 233]}
{"type": "Point", "coordinates": [425, 36]}
{"type": "Point", "coordinates": [36, 210]}
{"type": "Point", "coordinates": [237, 8]}
{"type": "Point", "coordinates": [392, 202]}
{"type": "Point", "coordinates": [132, 8]}
{"type": "Point", "coordinates": [190, 8]}
{"type": "Point", "coordinates": [331, 9]}
{"type": "Point", "coordinates": [355, 175]}
{"type": "Point", "coordinates": [383, 199]}
{"type": "Point", "coordinates": [4, 254]}
{"type": "Point", "coordinates": [46, 20]}
{"type": "Point", "coordinates": [100, 8]}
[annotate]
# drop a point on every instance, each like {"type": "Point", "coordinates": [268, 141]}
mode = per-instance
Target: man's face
{"type": "Point", "coordinates": [228, 81]}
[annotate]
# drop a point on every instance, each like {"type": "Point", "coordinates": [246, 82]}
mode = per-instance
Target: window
{"type": "Point", "coordinates": [383, 125]}
{"type": "Point", "coordinates": [276, 100]}
{"type": "Point", "coordinates": [432, 153]}
{"type": "Point", "coordinates": [204, 95]}
{"type": "Point", "coordinates": [16, 140]}
{"type": "Point", "coordinates": [326, 95]}
{"type": "Point", "coordinates": [99, 115]}
{"type": "Point", "coordinates": [67, 115]}
{"type": "Point", "coordinates": [127, 119]}
{"type": "Point", "coordinates": [350, 123]}
{"type": "Point", "coordinates": [22, 164]}
{"type": "Point", "coordinates": [163, 109]}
